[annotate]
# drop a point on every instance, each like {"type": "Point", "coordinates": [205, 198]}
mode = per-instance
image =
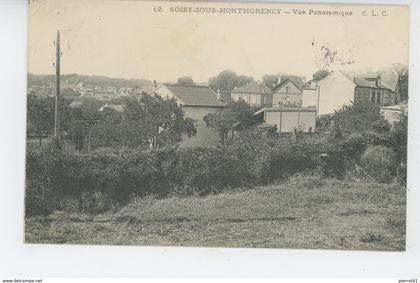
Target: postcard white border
{"type": "Point", "coordinates": [23, 260]}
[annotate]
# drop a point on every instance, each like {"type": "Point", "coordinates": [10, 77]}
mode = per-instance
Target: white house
{"type": "Point", "coordinates": [340, 88]}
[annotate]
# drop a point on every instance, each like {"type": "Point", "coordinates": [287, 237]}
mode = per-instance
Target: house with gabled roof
{"type": "Point", "coordinates": [197, 102]}
{"type": "Point", "coordinates": [253, 93]}
{"type": "Point", "coordinates": [287, 93]}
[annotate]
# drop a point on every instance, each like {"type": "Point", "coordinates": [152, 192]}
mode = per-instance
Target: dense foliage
{"type": "Point", "coordinates": [55, 177]}
{"type": "Point", "coordinates": [237, 115]}
{"type": "Point", "coordinates": [40, 115]}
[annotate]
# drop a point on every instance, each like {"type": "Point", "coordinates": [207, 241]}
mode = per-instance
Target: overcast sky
{"type": "Point", "coordinates": [127, 39]}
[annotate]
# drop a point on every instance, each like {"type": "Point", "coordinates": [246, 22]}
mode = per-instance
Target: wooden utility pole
{"type": "Point", "coordinates": [57, 129]}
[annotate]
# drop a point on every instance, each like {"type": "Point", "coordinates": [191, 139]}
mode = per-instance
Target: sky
{"type": "Point", "coordinates": [127, 39]}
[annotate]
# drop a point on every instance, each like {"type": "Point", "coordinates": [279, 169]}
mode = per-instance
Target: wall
{"type": "Point", "coordinates": [310, 98]}
{"type": "Point", "coordinates": [335, 90]}
{"type": "Point", "coordinates": [247, 98]}
{"type": "Point", "coordinates": [287, 121]}
{"type": "Point", "coordinates": [204, 135]}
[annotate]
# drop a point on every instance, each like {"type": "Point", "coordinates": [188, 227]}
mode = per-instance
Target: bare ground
{"type": "Point", "coordinates": [302, 212]}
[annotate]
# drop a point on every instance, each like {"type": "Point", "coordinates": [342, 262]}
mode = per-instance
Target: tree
{"type": "Point", "coordinates": [358, 116]}
{"type": "Point", "coordinates": [236, 115]}
{"type": "Point", "coordinates": [226, 80]}
{"type": "Point", "coordinates": [320, 74]}
{"type": "Point", "coordinates": [188, 81]}
{"type": "Point", "coordinates": [41, 115]}
{"type": "Point", "coordinates": [146, 122]}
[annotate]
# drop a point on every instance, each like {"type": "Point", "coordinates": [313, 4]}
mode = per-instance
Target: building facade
{"type": "Point", "coordinates": [287, 93]}
{"type": "Point", "coordinates": [253, 93]}
{"type": "Point", "coordinates": [289, 119]}
{"type": "Point", "coordinates": [197, 102]}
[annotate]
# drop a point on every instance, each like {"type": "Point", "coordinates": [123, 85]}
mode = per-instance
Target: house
{"type": "Point", "coordinates": [340, 88]}
{"type": "Point", "coordinates": [289, 119]}
{"type": "Point", "coordinates": [148, 89]}
{"type": "Point", "coordinates": [394, 113]}
{"type": "Point", "coordinates": [197, 102]}
{"type": "Point", "coordinates": [253, 93]}
{"type": "Point", "coordinates": [104, 95]}
{"type": "Point", "coordinates": [287, 93]}
{"type": "Point", "coordinates": [87, 92]}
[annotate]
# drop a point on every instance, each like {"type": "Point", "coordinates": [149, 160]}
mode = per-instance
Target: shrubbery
{"type": "Point", "coordinates": [379, 162]}
{"type": "Point", "coordinates": [104, 179]}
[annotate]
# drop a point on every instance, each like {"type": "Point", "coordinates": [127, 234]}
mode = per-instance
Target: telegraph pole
{"type": "Point", "coordinates": [57, 129]}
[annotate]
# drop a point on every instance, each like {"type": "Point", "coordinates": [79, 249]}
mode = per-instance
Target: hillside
{"type": "Point", "coordinates": [34, 79]}
{"type": "Point", "coordinates": [302, 212]}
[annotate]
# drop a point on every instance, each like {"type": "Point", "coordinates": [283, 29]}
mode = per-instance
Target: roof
{"type": "Point", "coordinates": [116, 107]}
{"type": "Point", "coordinates": [75, 104]}
{"type": "Point", "coordinates": [390, 80]}
{"type": "Point", "coordinates": [195, 95]}
{"type": "Point", "coordinates": [402, 106]}
{"type": "Point", "coordinates": [283, 82]}
{"type": "Point", "coordinates": [286, 109]}
{"type": "Point", "coordinates": [147, 89]}
{"type": "Point", "coordinates": [252, 87]}
{"type": "Point", "coordinates": [362, 80]}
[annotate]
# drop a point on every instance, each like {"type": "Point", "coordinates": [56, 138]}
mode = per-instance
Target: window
{"type": "Point", "coordinates": [253, 99]}
{"type": "Point", "coordinates": [287, 89]}
{"type": "Point", "coordinates": [378, 98]}
{"type": "Point", "coordinates": [373, 96]}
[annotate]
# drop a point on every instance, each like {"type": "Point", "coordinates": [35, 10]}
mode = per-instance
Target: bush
{"type": "Point", "coordinates": [379, 162]}
{"type": "Point", "coordinates": [104, 179]}
{"type": "Point", "coordinates": [101, 180]}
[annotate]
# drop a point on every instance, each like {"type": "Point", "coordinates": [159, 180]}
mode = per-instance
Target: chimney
{"type": "Point", "coordinates": [218, 94]}
{"type": "Point", "coordinates": [278, 81]}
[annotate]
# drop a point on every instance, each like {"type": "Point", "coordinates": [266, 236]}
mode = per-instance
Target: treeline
{"type": "Point", "coordinates": [90, 80]}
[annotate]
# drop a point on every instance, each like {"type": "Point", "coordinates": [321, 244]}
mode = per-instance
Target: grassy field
{"type": "Point", "coordinates": [301, 212]}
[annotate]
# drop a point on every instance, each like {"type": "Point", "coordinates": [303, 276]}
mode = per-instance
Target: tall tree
{"type": "Point", "coordinates": [188, 81]}
{"type": "Point", "coordinates": [146, 122]}
{"type": "Point", "coordinates": [41, 115]}
{"type": "Point", "coordinates": [226, 80]}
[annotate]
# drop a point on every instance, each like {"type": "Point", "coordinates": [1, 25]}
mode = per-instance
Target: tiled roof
{"type": "Point", "coordinates": [252, 87]}
{"type": "Point", "coordinates": [283, 82]}
{"type": "Point", "coordinates": [147, 89]}
{"type": "Point", "coordinates": [195, 95]}
{"type": "Point", "coordinates": [390, 80]}
{"type": "Point", "coordinates": [360, 80]}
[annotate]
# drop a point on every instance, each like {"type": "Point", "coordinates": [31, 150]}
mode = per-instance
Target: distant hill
{"type": "Point", "coordinates": [34, 79]}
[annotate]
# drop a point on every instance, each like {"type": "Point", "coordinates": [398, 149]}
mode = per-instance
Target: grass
{"type": "Point", "coordinates": [301, 212]}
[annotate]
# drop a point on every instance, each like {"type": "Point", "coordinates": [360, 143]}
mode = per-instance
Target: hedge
{"type": "Point", "coordinates": [100, 180]}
